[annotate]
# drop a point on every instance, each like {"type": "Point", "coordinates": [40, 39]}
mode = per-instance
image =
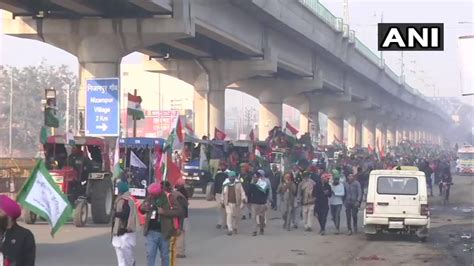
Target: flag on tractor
{"type": "Point", "coordinates": [41, 195]}
{"type": "Point", "coordinates": [189, 131]}
{"type": "Point", "coordinates": [252, 135]}
{"type": "Point", "coordinates": [135, 161]}
{"type": "Point", "coordinates": [337, 140]}
{"type": "Point", "coordinates": [291, 131]}
{"type": "Point", "coordinates": [180, 131]}
{"type": "Point", "coordinates": [117, 170]}
{"type": "Point", "coordinates": [167, 169]}
{"type": "Point", "coordinates": [134, 107]}
{"type": "Point", "coordinates": [219, 135]}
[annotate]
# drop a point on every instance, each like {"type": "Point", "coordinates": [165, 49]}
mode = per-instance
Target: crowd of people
{"type": "Point", "coordinates": [311, 188]}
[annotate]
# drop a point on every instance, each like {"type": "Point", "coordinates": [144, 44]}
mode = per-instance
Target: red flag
{"type": "Point", "coordinates": [370, 149]}
{"type": "Point", "coordinates": [292, 129]}
{"type": "Point", "coordinates": [219, 135]}
{"type": "Point", "coordinates": [140, 214]}
{"type": "Point", "coordinates": [173, 173]}
{"type": "Point", "coordinates": [252, 135]}
{"type": "Point", "coordinates": [337, 139]}
{"type": "Point", "coordinates": [180, 132]}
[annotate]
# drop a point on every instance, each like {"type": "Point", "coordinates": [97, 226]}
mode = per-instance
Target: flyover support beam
{"type": "Point", "coordinates": [335, 130]}
{"type": "Point", "coordinates": [368, 133]}
{"type": "Point", "coordinates": [100, 44]}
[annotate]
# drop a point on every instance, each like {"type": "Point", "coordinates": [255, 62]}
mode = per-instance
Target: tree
{"type": "Point", "coordinates": [29, 84]}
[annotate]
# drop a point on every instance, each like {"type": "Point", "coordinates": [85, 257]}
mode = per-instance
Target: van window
{"type": "Point", "coordinates": [394, 185]}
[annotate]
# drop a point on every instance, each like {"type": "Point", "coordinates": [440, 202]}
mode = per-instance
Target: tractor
{"type": "Point", "coordinates": [137, 156]}
{"type": "Point", "coordinates": [81, 168]}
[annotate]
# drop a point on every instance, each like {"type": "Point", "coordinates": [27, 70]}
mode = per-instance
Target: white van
{"type": "Point", "coordinates": [397, 200]}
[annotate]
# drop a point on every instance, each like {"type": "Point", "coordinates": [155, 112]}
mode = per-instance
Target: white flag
{"type": "Point", "coordinates": [135, 161]}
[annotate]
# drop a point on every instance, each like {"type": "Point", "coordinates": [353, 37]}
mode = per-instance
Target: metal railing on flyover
{"type": "Point", "coordinates": [321, 11]}
{"type": "Point", "coordinates": [360, 46]}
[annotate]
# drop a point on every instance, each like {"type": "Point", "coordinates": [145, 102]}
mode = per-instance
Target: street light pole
{"type": "Point", "coordinates": [10, 132]}
{"type": "Point", "coordinates": [67, 108]}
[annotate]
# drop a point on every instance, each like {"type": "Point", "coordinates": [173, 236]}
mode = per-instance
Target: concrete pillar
{"type": "Point", "coordinates": [391, 136]}
{"type": "Point", "coordinates": [304, 123]}
{"type": "Point", "coordinates": [368, 133]}
{"type": "Point", "coordinates": [335, 130]}
{"type": "Point", "coordinates": [351, 132]}
{"type": "Point", "coordinates": [354, 132]}
{"type": "Point", "coordinates": [270, 114]}
{"type": "Point", "coordinates": [216, 102]}
{"type": "Point", "coordinates": [380, 134]}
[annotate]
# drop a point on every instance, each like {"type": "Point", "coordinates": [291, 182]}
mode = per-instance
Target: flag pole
{"type": "Point", "coordinates": [134, 119]}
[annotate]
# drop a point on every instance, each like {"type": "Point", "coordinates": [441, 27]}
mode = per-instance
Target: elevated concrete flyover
{"type": "Point", "coordinates": [267, 47]}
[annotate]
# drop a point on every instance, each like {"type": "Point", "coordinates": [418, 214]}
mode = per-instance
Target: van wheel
{"type": "Point", "coordinates": [423, 239]}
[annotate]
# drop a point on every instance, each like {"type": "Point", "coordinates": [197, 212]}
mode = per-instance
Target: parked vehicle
{"type": "Point", "coordinates": [139, 174]}
{"type": "Point", "coordinates": [397, 201]}
{"type": "Point", "coordinates": [82, 171]}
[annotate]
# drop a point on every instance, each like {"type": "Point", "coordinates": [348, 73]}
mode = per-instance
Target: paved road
{"type": "Point", "coordinates": [209, 246]}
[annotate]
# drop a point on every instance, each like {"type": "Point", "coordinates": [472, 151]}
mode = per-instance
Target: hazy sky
{"type": "Point", "coordinates": [438, 68]}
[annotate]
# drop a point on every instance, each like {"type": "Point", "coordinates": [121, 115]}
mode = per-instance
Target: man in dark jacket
{"type": "Point", "coordinates": [258, 198]}
{"type": "Point", "coordinates": [17, 244]}
{"type": "Point", "coordinates": [162, 208]}
{"type": "Point", "coordinates": [352, 200]}
{"type": "Point", "coordinates": [323, 192]}
{"type": "Point", "coordinates": [275, 178]}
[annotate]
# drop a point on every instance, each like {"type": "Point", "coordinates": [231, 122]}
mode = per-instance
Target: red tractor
{"type": "Point", "coordinates": [82, 170]}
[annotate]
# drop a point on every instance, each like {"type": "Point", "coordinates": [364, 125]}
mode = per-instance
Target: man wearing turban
{"type": "Point", "coordinates": [17, 244]}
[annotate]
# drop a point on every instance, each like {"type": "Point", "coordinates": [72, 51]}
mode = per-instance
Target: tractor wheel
{"type": "Point", "coordinates": [29, 217]}
{"type": "Point", "coordinates": [210, 191]}
{"type": "Point", "coordinates": [81, 213]}
{"type": "Point", "coordinates": [101, 200]}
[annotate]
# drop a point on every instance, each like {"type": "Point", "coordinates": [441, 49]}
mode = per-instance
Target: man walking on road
{"type": "Point", "coordinates": [287, 191]}
{"type": "Point", "coordinates": [232, 199]}
{"type": "Point", "coordinates": [335, 202]}
{"type": "Point", "coordinates": [353, 197]}
{"type": "Point", "coordinates": [306, 199]}
{"type": "Point", "coordinates": [258, 198]}
{"type": "Point", "coordinates": [219, 179]}
{"type": "Point", "coordinates": [275, 179]}
{"type": "Point", "coordinates": [124, 226]}
{"type": "Point", "coordinates": [161, 209]}
{"type": "Point", "coordinates": [323, 192]}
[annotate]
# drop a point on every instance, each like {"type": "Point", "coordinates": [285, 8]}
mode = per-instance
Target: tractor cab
{"type": "Point", "coordinates": [81, 168]}
{"type": "Point", "coordinates": [138, 159]}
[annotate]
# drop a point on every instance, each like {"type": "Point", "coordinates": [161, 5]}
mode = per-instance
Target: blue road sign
{"type": "Point", "coordinates": [103, 107]}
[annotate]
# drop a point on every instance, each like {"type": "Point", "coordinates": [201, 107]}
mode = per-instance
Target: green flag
{"type": "Point", "coordinates": [41, 195]}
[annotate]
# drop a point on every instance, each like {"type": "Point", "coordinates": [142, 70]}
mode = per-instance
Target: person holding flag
{"type": "Point", "coordinates": [259, 190]}
{"type": "Point", "coordinates": [17, 244]}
